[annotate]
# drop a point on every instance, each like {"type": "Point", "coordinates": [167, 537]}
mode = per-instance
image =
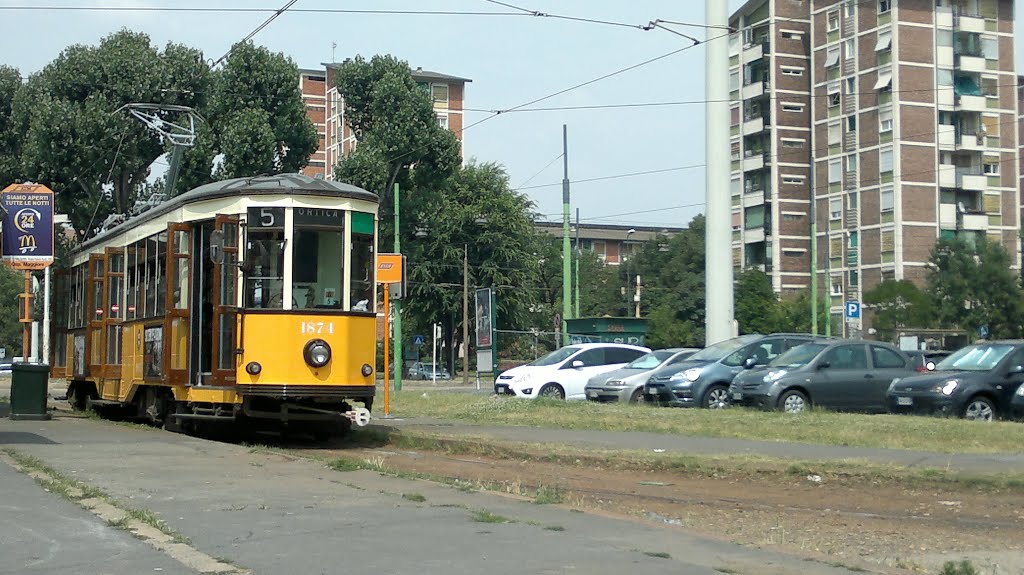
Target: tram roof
{"type": "Point", "coordinates": [253, 186]}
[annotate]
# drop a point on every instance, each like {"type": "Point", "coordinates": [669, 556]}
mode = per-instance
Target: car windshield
{"type": "Point", "coordinates": [649, 360]}
{"type": "Point", "coordinates": [557, 356]}
{"type": "Point", "coordinates": [722, 349]}
{"type": "Point", "coordinates": [798, 356]}
{"type": "Point", "coordinates": [975, 358]}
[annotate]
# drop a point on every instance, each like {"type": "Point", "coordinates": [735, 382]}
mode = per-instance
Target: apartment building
{"type": "Point", "coordinates": [912, 128]}
{"type": "Point", "coordinates": [326, 108]}
{"type": "Point", "coordinates": [613, 244]}
{"type": "Point", "coordinates": [771, 140]}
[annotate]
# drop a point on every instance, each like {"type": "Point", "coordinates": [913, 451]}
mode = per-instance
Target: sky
{"type": "Point", "coordinates": [511, 60]}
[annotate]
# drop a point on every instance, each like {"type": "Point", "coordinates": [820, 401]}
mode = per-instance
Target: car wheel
{"type": "Point", "coordinates": [637, 395]}
{"type": "Point", "coordinates": [716, 397]}
{"type": "Point", "coordinates": [552, 391]}
{"type": "Point", "coordinates": [980, 408]}
{"type": "Point", "coordinates": [794, 402]}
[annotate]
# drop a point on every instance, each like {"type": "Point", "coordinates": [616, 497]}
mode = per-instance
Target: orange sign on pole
{"type": "Point", "coordinates": [390, 270]}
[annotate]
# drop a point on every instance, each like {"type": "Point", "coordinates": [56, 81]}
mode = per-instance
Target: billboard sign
{"type": "Point", "coordinates": [28, 238]}
{"type": "Point", "coordinates": [484, 329]}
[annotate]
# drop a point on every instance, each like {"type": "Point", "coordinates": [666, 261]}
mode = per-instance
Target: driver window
{"type": "Point", "coordinates": [590, 358]}
{"type": "Point", "coordinates": [847, 357]}
{"type": "Point", "coordinates": [264, 257]}
{"type": "Point", "coordinates": [318, 259]}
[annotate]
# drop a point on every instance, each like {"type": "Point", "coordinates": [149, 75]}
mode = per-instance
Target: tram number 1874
{"type": "Point", "coordinates": [317, 327]}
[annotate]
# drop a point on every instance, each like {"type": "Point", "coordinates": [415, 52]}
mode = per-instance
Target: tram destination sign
{"type": "Point", "coordinates": [328, 217]}
{"type": "Point", "coordinates": [27, 226]}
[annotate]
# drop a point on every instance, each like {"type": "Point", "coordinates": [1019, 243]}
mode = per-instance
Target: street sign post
{"type": "Point", "coordinates": [391, 273]}
{"type": "Point", "coordinates": [28, 240]}
{"type": "Point", "coordinates": [853, 310]}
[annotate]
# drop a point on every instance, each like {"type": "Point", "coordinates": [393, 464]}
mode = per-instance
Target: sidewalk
{"type": "Point", "coordinates": [688, 445]}
{"type": "Point", "coordinates": [274, 514]}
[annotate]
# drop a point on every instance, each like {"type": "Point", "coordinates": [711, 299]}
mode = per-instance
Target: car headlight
{"type": "Point", "coordinates": [615, 383]}
{"type": "Point", "coordinates": [317, 353]}
{"type": "Point", "coordinates": [692, 374]}
{"type": "Point", "coordinates": [946, 388]}
{"type": "Point", "coordinates": [774, 375]}
{"type": "Point", "coordinates": [1020, 391]}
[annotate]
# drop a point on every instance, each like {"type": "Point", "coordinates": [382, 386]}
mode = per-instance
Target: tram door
{"type": "Point", "coordinates": [176, 322]}
{"type": "Point", "coordinates": [215, 277]}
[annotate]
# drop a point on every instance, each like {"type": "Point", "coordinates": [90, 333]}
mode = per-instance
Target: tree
{"type": "Point", "coordinates": [476, 210]}
{"type": "Point", "coordinates": [73, 138]}
{"type": "Point", "coordinates": [394, 121]}
{"type": "Point", "coordinates": [973, 286]}
{"type": "Point", "coordinates": [12, 284]}
{"type": "Point", "coordinates": [10, 141]}
{"type": "Point", "coordinates": [897, 305]}
{"type": "Point", "coordinates": [757, 307]}
{"type": "Point", "coordinates": [794, 314]}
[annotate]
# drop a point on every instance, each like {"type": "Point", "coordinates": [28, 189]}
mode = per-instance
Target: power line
{"type": "Point", "coordinates": [240, 10]}
{"type": "Point", "coordinates": [539, 172]}
{"type": "Point", "coordinates": [265, 23]}
{"type": "Point", "coordinates": [617, 176]}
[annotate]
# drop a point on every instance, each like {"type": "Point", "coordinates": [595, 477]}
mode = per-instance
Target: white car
{"type": "Point", "coordinates": [563, 373]}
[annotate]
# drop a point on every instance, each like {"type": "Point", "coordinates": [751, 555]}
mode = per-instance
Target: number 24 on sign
{"type": "Point", "coordinates": [318, 327]}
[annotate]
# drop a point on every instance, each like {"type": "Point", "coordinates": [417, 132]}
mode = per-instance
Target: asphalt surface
{"type": "Point", "coordinates": [274, 514]}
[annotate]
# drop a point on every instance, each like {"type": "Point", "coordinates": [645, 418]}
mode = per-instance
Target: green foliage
{"type": "Point", "coordinates": [10, 140]}
{"type": "Point", "coordinates": [12, 283]}
{"type": "Point", "coordinates": [973, 286]}
{"type": "Point", "coordinates": [757, 307]}
{"type": "Point", "coordinates": [964, 567]}
{"type": "Point", "coordinates": [897, 305]}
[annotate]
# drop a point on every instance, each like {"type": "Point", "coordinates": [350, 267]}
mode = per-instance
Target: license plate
{"type": "Point", "coordinates": [737, 396]}
{"type": "Point", "coordinates": [591, 393]}
{"type": "Point", "coordinates": [501, 389]}
{"type": "Point", "coordinates": [652, 391]}
{"type": "Point", "coordinates": [904, 401]}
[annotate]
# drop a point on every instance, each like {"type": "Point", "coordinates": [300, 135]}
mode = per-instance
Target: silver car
{"type": "Point", "coordinates": [627, 383]}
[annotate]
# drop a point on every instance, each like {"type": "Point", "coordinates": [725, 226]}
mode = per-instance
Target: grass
{"type": "Point", "coordinates": [962, 568]}
{"type": "Point", "coordinates": [549, 495]}
{"type": "Point", "coordinates": [415, 497]}
{"type": "Point", "coordinates": [554, 528]}
{"type": "Point", "coordinates": [485, 516]}
{"type": "Point", "coordinates": [657, 554]}
{"type": "Point", "coordinates": [819, 427]}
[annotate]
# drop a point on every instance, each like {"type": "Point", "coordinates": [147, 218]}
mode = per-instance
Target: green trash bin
{"type": "Point", "coordinates": [29, 388]}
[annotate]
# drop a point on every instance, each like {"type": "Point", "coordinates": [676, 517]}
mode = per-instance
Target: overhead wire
{"type": "Point", "coordinates": [259, 28]}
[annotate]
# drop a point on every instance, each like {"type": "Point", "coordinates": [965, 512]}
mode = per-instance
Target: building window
{"type": "Point", "coordinates": [884, 40]}
{"type": "Point", "coordinates": [991, 166]}
{"type": "Point", "coordinates": [792, 107]}
{"type": "Point", "coordinates": [884, 6]}
{"type": "Point", "coordinates": [990, 48]}
{"type": "Point", "coordinates": [832, 57]}
{"type": "Point", "coordinates": [851, 48]}
{"type": "Point", "coordinates": [793, 180]}
{"type": "Point", "coordinates": [885, 120]}
{"type": "Point", "coordinates": [835, 171]}
{"type": "Point", "coordinates": [835, 209]}
{"type": "Point", "coordinates": [734, 81]}
{"type": "Point", "coordinates": [851, 163]}
{"type": "Point", "coordinates": [833, 20]}
{"type": "Point", "coordinates": [792, 143]}
{"type": "Point", "coordinates": [853, 240]}
{"type": "Point", "coordinates": [851, 123]}
{"type": "Point", "coordinates": [837, 284]}
{"type": "Point", "coordinates": [835, 135]}
{"type": "Point", "coordinates": [852, 200]}
{"type": "Point", "coordinates": [885, 162]}
{"type": "Point", "coordinates": [439, 93]}
{"type": "Point", "coordinates": [848, 9]}
{"type": "Point", "coordinates": [791, 35]}
{"type": "Point", "coordinates": [888, 240]}
{"type": "Point", "coordinates": [753, 217]}
{"type": "Point", "coordinates": [792, 71]}
{"type": "Point", "coordinates": [442, 120]}
{"type": "Point", "coordinates": [833, 94]}
{"type": "Point", "coordinates": [886, 199]}
{"type": "Point", "coordinates": [884, 82]}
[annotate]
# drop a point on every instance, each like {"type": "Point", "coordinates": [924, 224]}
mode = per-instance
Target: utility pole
{"type": "Point", "coordinates": [398, 302]}
{"type": "Point", "coordinates": [637, 296]}
{"type": "Point", "coordinates": [576, 286]}
{"type": "Point", "coordinates": [566, 250]}
{"type": "Point", "coordinates": [719, 306]}
{"type": "Point", "coordinates": [465, 315]}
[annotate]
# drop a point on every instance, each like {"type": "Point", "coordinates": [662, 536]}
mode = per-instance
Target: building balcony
{"type": "Point", "coordinates": [971, 142]}
{"type": "Point", "coordinates": [970, 62]}
{"type": "Point", "coordinates": [947, 175]}
{"type": "Point", "coordinates": [975, 222]}
{"type": "Point", "coordinates": [755, 125]}
{"type": "Point", "coordinates": [755, 162]}
{"type": "Point", "coordinates": [947, 216]}
{"type": "Point", "coordinates": [756, 197]}
{"type": "Point", "coordinates": [755, 90]}
{"type": "Point", "coordinates": [966, 103]}
{"type": "Point", "coordinates": [971, 180]}
{"type": "Point", "coordinates": [754, 235]}
{"type": "Point", "coordinates": [752, 52]}
{"type": "Point", "coordinates": [947, 137]}
{"type": "Point", "coordinates": [969, 23]}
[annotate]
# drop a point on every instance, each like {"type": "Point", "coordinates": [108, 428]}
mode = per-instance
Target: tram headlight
{"type": "Point", "coordinates": [367, 370]}
{"type": "Point", "coordinates": [253, 368]}
{"type": "Point", "coordinates": [317, 353]}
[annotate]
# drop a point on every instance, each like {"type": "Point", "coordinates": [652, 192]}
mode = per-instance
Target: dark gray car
{"type": "Point", "coordinates": [845, 375]}
{"type": "Point", "coordinates": [703, 380]}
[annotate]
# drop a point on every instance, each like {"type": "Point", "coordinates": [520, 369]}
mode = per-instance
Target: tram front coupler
{"type": "Point", "coordinates": [359, 416]}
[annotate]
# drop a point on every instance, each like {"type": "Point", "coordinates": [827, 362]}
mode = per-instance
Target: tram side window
{"type": "Point", "coordinates": [76, 315]}
{"type": "Point", "coordinates": [318, 261]}
{"type": "Point", "coordinates": [264, 284]}
{"type": "Point", "coordinates": [361, 295]}
{"type": "Point", "coordinates": [132, 283]}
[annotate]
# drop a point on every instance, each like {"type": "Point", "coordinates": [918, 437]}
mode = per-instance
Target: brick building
{"type": "Point", "coordinates": [325, 107]}
{"type": "Point", "coordinates": [912, 131]}
{"type": "Point", "coordinates": [612, 243]}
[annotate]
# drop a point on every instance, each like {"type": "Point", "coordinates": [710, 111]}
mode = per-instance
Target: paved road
{"type": "Point", "coordinates": [276, 514]}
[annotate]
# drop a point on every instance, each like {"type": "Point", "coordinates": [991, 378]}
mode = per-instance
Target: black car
{"type": "Point", "coordinates": [979, 382]}
{"type": "Point", "coordinates": [844, 375]}
{"type": "Point", "coordinates": [703, 379]}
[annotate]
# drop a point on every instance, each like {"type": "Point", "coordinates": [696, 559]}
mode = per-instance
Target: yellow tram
{"type": "Point", "coordinates": [166, 314]}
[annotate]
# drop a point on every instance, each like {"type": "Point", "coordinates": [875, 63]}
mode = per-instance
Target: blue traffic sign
{"type": "Point", "coordinates": [983, 332]}
{"type": "Point", "coordinates": [853, 310]}
{"type": "Point", "coordinates": [418, 340]}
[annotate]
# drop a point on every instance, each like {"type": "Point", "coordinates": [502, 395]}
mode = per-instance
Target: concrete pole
{"type": "Point", "coordinates": [718, 236]}
{"type": "Point", "coordinates": [465, 315]}
{"type": "Point", "coordinates": [566, 248]}
{"type": "Point", "coordinates": [398, 302]}
{"type": "Point", "coordinates": [576, 285]}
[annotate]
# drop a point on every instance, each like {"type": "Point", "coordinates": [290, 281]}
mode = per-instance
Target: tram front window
{"type": "Point", "coordinates": [317, 268]}
{"type": "Point", "coordinates": [264, 284]}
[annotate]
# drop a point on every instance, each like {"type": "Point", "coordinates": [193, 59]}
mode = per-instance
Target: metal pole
{"type": "Point", "coordinates": [576, 288]}
{"type": "Point", "coordinates": [465, 315]}
{"type": "Point", "coordinates": [719, 303]}
{"type": "Point", "coordinates": [27, 322]}
{"type": "Point", "coordinates": [387, 337]}
{"type": "Point", "coordinates": [398, 302]}
{"type": "Point", "coordinates": [566, 251]}
{"type": "Point", "coordinates": [46, 316]}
